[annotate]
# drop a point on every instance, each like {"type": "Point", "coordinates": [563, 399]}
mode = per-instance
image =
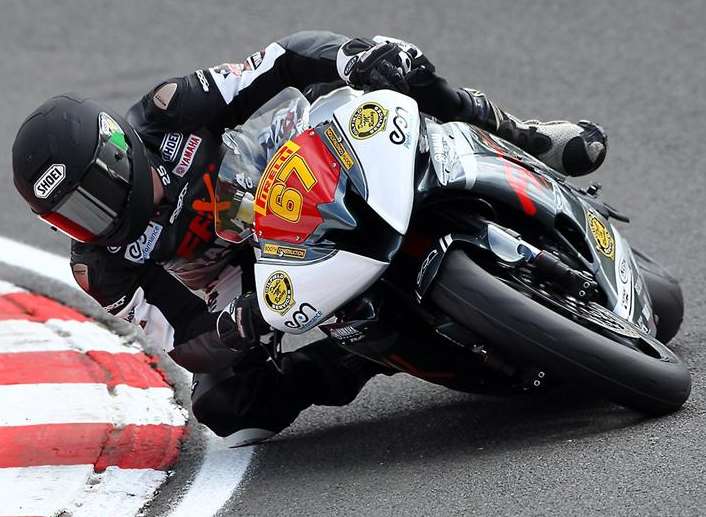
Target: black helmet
{"type": "Point", "coordinates": [83, 169]}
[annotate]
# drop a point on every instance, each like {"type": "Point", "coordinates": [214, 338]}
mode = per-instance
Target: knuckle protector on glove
{"type": "Point", "coordinates": [381, 58]}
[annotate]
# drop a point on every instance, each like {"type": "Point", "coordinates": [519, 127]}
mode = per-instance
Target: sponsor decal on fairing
{"type": "Point", "coordinates": [336, 141]}
{"type": "Point", "coordinates": [305, 317]}
{"type": "Point", "coordinates": [368, 120]}
{"type": "Point", "coordinates": [605, 243]}
{"type": "Point", "coordinates": [284, 251]}
{"type": "Point", "coordinates": [376, 151]}
{"type": "Point", "coordinates": [278, 292]}
{"type": "Point", "coordinates": [625, 306]}
{"type": "Point", "coordinates": [400, 134]}
{"type": "Point", "coordinates": [623, 270]}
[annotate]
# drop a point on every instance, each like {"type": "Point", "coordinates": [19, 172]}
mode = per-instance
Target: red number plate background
{"type": "Point", "coordinates": [302, 175]}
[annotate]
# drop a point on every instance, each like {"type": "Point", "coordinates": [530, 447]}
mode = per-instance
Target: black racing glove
{"type": "Point", "coordinates": [241, 324]}
{"type": "Point", "coordinates": [384, 66]}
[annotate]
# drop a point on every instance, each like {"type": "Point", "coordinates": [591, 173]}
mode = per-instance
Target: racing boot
{"type": "Point", "coordinates": [574, 149]}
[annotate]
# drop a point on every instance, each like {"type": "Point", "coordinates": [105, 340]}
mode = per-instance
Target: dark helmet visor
{"type": "Point", "coordinates": [94, 208]}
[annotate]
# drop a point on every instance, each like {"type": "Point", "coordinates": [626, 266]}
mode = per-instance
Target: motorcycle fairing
{"type": "Point", "coordinates": [299, 180]}
{"type": "Point", "coordinates": [296, 298]}
{"type": "Point", "coordinates": [382, 128]}
{"type": "Point", "coordinates": [453, 156]}
{"type": "Point", "coordinates": [612, 261]}
{"type": "Point", "coordinates": [504, 173]}
{"type": "Point", "coordinates": [372, 141]}
{"type": "Point", "coordinates": [338, 146]}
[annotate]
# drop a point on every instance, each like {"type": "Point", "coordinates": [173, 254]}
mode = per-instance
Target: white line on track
{"type": "Point", "coordinates": [41, 262]}
{"type": "Point", "coordinates": [222, 468]}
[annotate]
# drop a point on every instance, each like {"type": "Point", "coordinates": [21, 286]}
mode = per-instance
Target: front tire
{"type": "Point", "coordinates": [520, 327]}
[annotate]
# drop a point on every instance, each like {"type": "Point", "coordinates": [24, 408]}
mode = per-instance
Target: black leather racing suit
{"type": "Point", "coordinates": [178, 275]}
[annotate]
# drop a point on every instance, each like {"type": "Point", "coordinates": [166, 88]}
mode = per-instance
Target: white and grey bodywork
{"type": "Point", "coordinates": [387, 160]}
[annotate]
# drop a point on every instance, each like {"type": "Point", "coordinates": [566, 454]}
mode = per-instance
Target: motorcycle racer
{"type": "Point", "coordinates": [136, 195]}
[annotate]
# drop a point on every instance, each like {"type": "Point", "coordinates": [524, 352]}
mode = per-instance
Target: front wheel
{"type": "Point", "coordinates": [643, 375]}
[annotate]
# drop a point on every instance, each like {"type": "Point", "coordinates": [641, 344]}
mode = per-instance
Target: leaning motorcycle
{"type": "Point", "coordinates": [445, 252]}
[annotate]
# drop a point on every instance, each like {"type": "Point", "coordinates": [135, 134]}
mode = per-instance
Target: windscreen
{"type": "Point", "coordinates": [247, 150]}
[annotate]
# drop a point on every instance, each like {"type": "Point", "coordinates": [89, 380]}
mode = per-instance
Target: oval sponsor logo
{"type": "Point", "coordinates": [368, 120]}
{"type": "Point", "coordinates": [278, 292]}
{"type": "Point", "coordinates": [605, 243]}
{"type": "Point", "coordinates": [47, 182]}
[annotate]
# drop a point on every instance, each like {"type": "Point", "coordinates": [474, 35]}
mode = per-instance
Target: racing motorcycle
{"type": "Point", "coordinates": [445, 252]}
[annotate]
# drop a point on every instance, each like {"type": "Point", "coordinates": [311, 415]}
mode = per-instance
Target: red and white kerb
{"type": "Point", "coordinates": [88, 424]}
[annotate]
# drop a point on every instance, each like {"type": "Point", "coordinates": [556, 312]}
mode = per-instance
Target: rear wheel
{"type": "Point", "coordinates": [581, 343]}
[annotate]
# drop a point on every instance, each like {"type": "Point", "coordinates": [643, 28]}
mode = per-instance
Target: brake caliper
{"type": "Point", "coordinates": [576, 283]}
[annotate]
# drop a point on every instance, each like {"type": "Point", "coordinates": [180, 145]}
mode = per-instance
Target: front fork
{"type": "Point", "coordinates": [510, 250]}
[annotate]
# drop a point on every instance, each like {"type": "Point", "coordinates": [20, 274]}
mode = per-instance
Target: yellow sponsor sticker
{"type": "Point", "coordinates": [279, 293]}
{"type": "Point", "coordinates": [605, 243]}
{"type": "Point", "coordinates": [336, 142]}
{"type": "Point", "coordinates": [368, 120]}
{"type": "Point", "coordinates": [284, 251]}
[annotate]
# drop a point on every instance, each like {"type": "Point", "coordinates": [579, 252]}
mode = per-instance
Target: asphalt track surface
{"type": "Point", "coordinates": [406, 447]}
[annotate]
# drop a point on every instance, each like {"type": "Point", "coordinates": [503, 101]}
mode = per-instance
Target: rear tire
{"type": "Point", "coordinates": [521, 328]}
